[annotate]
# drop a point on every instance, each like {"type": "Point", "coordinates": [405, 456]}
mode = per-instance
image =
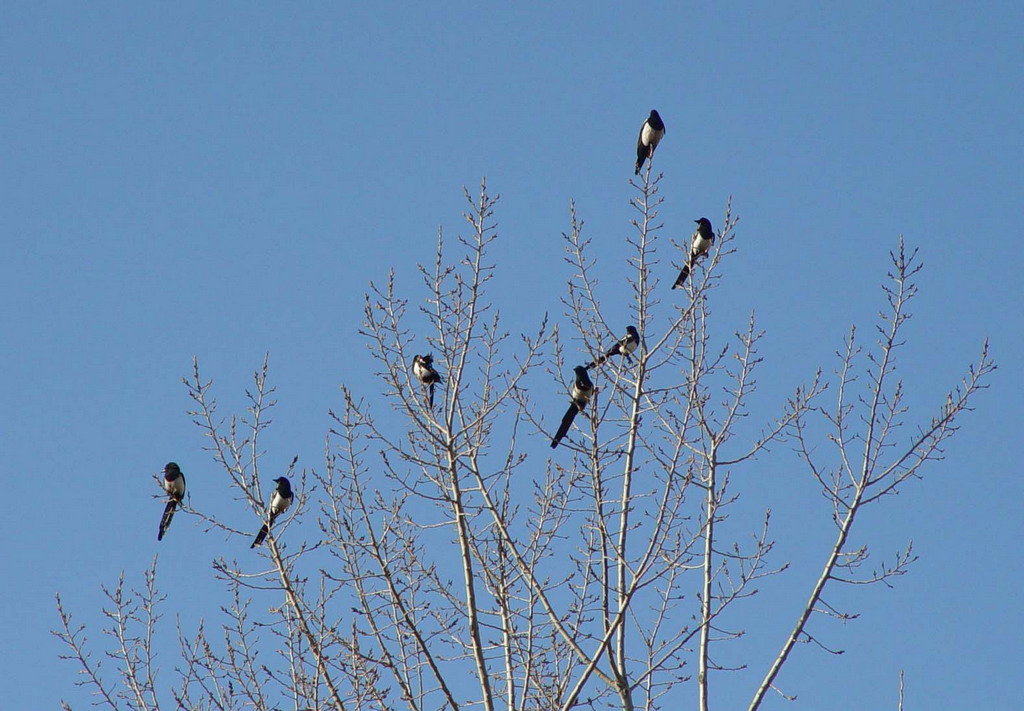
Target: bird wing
{"type": "Point", "coordinates": [641, 150]}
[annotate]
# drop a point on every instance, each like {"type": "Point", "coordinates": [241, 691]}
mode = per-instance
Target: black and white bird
{"type": "Point", "coordinates": [582, 391]}
{"type": "Point", "coordinates": [651, 134]}
{"type": "Point", "coordinates": [279, 503]}
{"type": "Point", "coordinates": [174, 485]}
{"type": "Point", "coordinates": [423, 369]}
{"type": "Point", "coordinates": [626, 345]}
{"type": "Point", "coordinates": [703, 238]}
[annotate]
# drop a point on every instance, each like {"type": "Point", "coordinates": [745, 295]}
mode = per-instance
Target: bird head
{"type": "Point", "coordinates": [582, 378]}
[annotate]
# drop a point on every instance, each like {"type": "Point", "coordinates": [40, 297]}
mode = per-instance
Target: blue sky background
{"type": "Point", "coordinates": [222, 180]}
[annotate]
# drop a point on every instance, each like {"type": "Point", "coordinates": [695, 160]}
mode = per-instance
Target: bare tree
{"type": "Point", "coordinates": [870, 459]}
{"type": "Point", "coordinates": [456, 567]}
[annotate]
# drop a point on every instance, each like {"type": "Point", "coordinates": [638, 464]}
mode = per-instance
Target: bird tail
{"type": "Point", "coordinates": [682, 277]}
{"type": "Point", "coordinates": [263, 532]}
{"type": "Point", "coordinates": [165, 520]}
{"type": "Point", "coordinates": [431, 396]}
{"type": "Point", "coordinates": [642, 155]}
{"type": "Point", "coordinates": [260, 536]}
{"type": "Point", "coordinates": [563, 428]}
{"type": "Point", "coordinates": [686, 271]}
{"type": "Point", "coordinates": [615, 350]}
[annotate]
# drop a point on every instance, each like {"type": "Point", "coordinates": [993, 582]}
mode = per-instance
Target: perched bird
{"type": "Point", "coordinates": [703, 238]}
{"type": "Point", "coordinates": [279, 503]}
{"type": "Point", "coordinates": [174, 485]}
{"type": "Point", "coordinates": [651, 134]}
{"type": "Point", "coordinates": [626, 345]}
{"type": "Point", "coordinates": [582, 390]}
{"type": "Point", "coordinates": [423, 369]}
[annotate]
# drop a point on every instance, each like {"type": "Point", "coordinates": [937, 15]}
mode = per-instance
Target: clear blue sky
{"type": "Point", "coordinates": [223, 179]}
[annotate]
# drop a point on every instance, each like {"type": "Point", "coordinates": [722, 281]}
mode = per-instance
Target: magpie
{"type": "Point", "coordinates": [174, 485]}
{"type": "Point", "coordinates": [279, 503]}
{"type": "Point", "coordinates": [582, 390]}
{"type": "Point", "coordinates": [703, 238]}
{"type": "Point", "coordinates": [626, 345]}
{"type": "Point", "coordinates": [651, 134]}
{"type": "Point", "coordinates": [423, 369]}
